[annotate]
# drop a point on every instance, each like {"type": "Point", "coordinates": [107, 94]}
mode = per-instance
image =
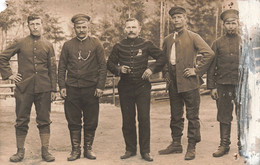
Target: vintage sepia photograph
{"type": "Point", "coordinates": [129, 82]}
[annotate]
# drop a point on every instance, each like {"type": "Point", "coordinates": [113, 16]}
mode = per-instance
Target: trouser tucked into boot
{"type": "Point", "coordinates": [223, 149]}
{"type": "Point", "coordinates": [20, 149]}
{"type": "Point", "coordinates": [75, 137]}
{"type": "Point", "coordinates": [88, 141]}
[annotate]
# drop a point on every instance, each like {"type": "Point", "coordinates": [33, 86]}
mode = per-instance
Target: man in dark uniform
{"type": "Point", "coordinates": [35, 83]}
{"type": "Point", "coordinates": [83, 63]}
{"type": "Point", "coordinates": [223, 77]}
{"type": "Point", "coordinates": [129, 60]}
{"type": "Point", "coordinates": [184, 78]}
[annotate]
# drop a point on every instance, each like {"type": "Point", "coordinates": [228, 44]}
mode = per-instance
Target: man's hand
{"type": "Point", "coordinates": [53, 96]}
{"type": "Point", "coordinates": [16, 77]}
{"type": "Point", "coordinates": [63, 93]}
{"type": "Point", "coordinates": [147, 73]}
{"type": "Point", "coordinates": [189, 72]}
{"type": "Point", "coordinates": [214, 94]}
{"type": "Point", "coordinates": [98, 92]}
{"type": "Point", "coordinates": [125, 69]}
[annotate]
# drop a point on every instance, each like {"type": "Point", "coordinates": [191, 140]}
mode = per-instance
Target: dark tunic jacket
{"type": "Point", "coordinates": [134, 53]}
{"type": "Point", "coordinates": [224, 68]}
{"type": "Point", "coordinates": [87, 72]}
{"type": "Point", "coordinates": [188, 45]}
{"type": "Point", "coordinates": [36, 64]}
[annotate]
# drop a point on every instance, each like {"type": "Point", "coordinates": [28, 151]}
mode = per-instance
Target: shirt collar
{"type": "Point", "coordinates": [82, 38]}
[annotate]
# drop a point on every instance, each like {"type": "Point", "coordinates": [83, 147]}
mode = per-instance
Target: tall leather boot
{"type": "Point", "coordinates": [174, 147]}
{"type": "Point", "coordinates": [88, 141]}
{"type": "Point", "coordinates": [20, 149]}
{"type": "Point", "coordinates": [223, 149]}
{"type": "Point", "coordinates": [46, 156]}
{"type": "Point", "coordinates": [75, 137]}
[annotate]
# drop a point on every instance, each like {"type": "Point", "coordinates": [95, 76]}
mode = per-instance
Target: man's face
{"type": "Point", "coordinates": [231, 25]}
{"type": "Point", "coordinates": [35, 27]}
{"type": "Point", "coordinates": [132, 29]}
{"type": "Point", "coordinates": [81, 29]}
{"type": "Point", "coordinates": [179, 21]}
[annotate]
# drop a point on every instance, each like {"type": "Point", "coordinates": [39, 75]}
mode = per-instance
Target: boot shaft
{"type": "Point", "coordinates": [225, 130]}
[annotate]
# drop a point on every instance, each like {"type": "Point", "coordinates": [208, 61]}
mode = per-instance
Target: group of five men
{"type": "Point", "coordinates": [82, 74]}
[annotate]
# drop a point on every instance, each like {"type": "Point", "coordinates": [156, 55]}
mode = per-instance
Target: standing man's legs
{"type": "Point", "coordinates": [224, 116]}
{"type": "Point", "coordinates": [177, 120]}
{"type": "Point", "coordinates": [143, 99]}
{"type": "Point", "coordinates": [90, 117]}
{"type": "Point", "coordinates": [127, 103]}
{"type": "Point", "coordinates": [23, 110]}
{"type": "Point", "coordinates": [42, 103]}
{"type": "Point", "coordinates": [73, 113]}
{"type": "Point", "coordinates": [192, 103]}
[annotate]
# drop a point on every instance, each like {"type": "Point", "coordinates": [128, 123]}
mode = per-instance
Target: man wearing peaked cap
{"type": "Point", "coordinates": [231, 13]}
{"type": "Point", "coordinates": [81, 78]}
{"type": "Point", "coordinates": [177, 10]}
{"type": "Point", "coordinates": [223, 78]}
{"type": "Point", "coordinates": [183, 76]}
{"type": "Point", "coordinates": [80, 18]}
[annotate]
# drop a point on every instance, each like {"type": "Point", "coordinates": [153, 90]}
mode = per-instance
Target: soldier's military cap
{"type": "Point", "coordinates": [33, 17]}
{"type": "Point", "coordinates": [177, 10]}
{"type": "Point", "coordinates": [80, 17]}
{"type": "Point", "coordinates": [230, 13]}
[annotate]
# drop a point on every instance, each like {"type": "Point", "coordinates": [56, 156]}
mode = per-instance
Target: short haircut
{"type": "Point", "coordinates": [33, 17]}
{"type": "Point", "coordinates": [132, 19]}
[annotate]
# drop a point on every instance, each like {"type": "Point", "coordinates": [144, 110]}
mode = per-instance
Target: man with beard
{"type": "Point", "coordinates": [129, 60]}
{"type": "Point", "coordinates": [184, 78]}
{"type": "Point", "coordinates": [82, 77]}
{"type": "Point", "coordinates": [223, 78]}
{"type": "Point", "coordinates": [35, 83]}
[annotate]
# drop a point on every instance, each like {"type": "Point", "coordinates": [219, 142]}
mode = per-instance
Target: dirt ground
{"type": "Point", "coordinates": [109, 144]}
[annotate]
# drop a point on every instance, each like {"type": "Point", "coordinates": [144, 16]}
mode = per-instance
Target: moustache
{"type": "Point", "coordinates": [131, 33]}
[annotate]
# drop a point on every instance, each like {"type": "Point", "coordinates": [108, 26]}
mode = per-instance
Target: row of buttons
{"type": "Point", "coordinates": [35, 57]}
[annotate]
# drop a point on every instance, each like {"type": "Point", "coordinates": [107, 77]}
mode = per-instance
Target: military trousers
{"type": "Point", "coordinates": [191, 100]}
{"type": "Point", "coordinates": [81, 102]}
{"type": "Point", "coordinates": [135, 95]}
{"type": "Point", "coordinates": [24, 101]}
{"type": "Point", "coordinates": [226, 102]}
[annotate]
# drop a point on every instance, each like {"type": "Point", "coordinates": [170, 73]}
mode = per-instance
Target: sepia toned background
{"type": "Point", "coordinates": [107, 23]}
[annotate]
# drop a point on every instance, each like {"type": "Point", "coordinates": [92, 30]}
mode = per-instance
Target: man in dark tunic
{"type": "Point", "coordinates": [184, 77]}
{"type": "Point", "coordinates": [223, 77]}
{"type": "Point", "coordinates": [129, 60]}
{"type": "Point", "coordinates": [82, 77]}
{"type": "Point", "coordinates": [35, 83]}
